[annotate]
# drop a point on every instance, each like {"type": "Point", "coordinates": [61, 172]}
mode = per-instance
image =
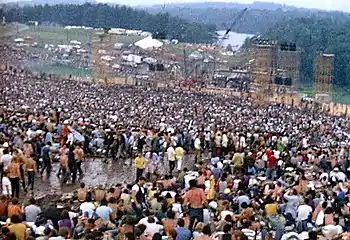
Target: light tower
{"type": "Point", "coordinates": [100, 48]}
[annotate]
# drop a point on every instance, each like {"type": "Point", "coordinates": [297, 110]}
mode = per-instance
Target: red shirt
{"type": "Point", "coordinates": [272, 162]}
{"type": "Point", "coordinates": [269, 153]}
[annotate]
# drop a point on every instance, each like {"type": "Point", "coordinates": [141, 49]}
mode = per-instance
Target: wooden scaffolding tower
{"type": "Point", "coordinates": [324, 68]}
{"type": "Point", "coordinates": [288, 68]}
{"type": "Point", "coordinates": [263, 64]}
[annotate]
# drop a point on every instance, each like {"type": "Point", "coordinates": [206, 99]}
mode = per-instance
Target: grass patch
{"type": "Point", "coordinates": [60, 69]}
{"type": "Point", "coordinates": [57, 35]}
{"type": "Point", "coordinates": [340, 95]}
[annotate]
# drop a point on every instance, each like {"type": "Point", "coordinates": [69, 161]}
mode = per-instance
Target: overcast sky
{"type": "Point", "coordinates": [343, 5]}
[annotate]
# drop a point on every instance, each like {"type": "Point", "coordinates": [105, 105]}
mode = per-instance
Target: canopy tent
{"type": "Point", "coordinates": [148, 43]}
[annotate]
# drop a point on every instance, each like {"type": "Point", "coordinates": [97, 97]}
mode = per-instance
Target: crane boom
{"type": "Point", "coordinates": [234, 22]}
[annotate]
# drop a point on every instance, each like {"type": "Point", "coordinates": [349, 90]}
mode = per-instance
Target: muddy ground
{"type": "Point", "coordinates": [96, 172]}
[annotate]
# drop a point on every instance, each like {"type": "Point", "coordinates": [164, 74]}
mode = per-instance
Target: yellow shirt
{"type": "Point", "coordinates": [271, 209]}
{"type": "Point", "coordinates": [140, 162]}
{"type": "Point", "coordinates": [179, 152]}
{"type": "Point", "coordinates": [20, 230]}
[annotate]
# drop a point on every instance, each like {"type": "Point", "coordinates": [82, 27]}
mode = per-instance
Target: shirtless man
{"type": "Point", "coordinates": [30, 166]}
{"type": "Point", "coordinates": [79, 156]}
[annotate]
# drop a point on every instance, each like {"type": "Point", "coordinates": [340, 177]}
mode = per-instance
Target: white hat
{"type": "Point", "coordinates": [5, 145]}
{"type": "Point", "coordinates": [336, 169]}
{"type": "Point", "coordinates": [66, 122]}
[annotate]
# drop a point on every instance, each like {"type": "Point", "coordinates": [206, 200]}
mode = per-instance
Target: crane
{"type": "Point", "coordinates": [234, 22]}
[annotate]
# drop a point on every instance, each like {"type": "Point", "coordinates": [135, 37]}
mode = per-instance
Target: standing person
{"type": "Point", "coordinates": [6, 185]}
{"type": "Point", "coordinates": [46, 153]}
{"type": "Point", "coordinates": [195, 199]}
{"type": "Point", "coordinates": [22, 162]}
{"type": "Point", "coordinates": [65, 132]}
{"type": "Point", "coordinates": [79, 156]}
{"type": "Point", "coordinates": [32, 211]}
{"type": "Point", "coordinates": [197, 149]}
{"type": "Point", "coordinates": [14, 175]}
{"type": "Point", "coordinates": [38, 151]}
{"type": "Point", "coordinates": [64, 166]}
{"type": "Point", "coordinates": [72, 164]}
{"type": "Point", "coordinates": [31, 167]}
{"type": "Point", "coordinates": [140, 164]}
{"type": "Point", "coordinates": [152, 160]}
{"type": "Point", "coordinates": [179, 154]}
{"type": "Point", "coordinates": [138, 195]}
{"type": "Point", "coordinates": [271, 166]}
{"type": "Point", "coordinates": [5, 160]}
{"type": "Point", "coordinates": [171, 158]}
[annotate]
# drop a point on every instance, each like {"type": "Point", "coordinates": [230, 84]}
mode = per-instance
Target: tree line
{"type": "Point", "coordinates": [255, 21]}
{"type": "Point", "coordinates": [104, 15]}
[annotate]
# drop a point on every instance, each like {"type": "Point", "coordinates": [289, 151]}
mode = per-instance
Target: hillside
{"type": "Point", "coordinates": [103, 15]}
{"type": "Point", "coordinates": [258, 19]}
{"type": "Point", "coordinates": [315, 35]}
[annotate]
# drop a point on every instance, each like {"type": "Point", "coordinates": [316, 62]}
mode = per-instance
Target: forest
{"type": "Point", "coordinates": [105, 16]}
{"type": "Point", "coordinates": [313, 36]}
{"type": "Point", "coordinates": [259, 18]}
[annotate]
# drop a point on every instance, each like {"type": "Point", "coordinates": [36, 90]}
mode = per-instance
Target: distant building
{"type": "Point", "coordinates": [32, 23]}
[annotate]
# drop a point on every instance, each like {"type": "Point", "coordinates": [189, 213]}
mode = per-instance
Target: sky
{"type": "Point", "coordinates": [343, 5]}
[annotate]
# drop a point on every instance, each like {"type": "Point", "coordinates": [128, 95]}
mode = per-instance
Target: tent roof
{"type": "Point", "coordinates": [148, 43]}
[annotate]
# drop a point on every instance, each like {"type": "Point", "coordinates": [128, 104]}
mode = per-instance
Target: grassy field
{"type": "Point", "coordinates": [340, 95]}
{"type": "Point", "coordinates": [56, 35]}
{"type": "Point", "coordinates": [60, 69]}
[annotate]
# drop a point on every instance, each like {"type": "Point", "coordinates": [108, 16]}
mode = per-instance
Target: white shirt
{"type": "Point", "coordinates": [340, 176]}
{"type": "Point", "coordinates": [207, 136]}
{"type": "Point", "coordinates": [6, 160]}
{"type": "Point", "coordinates": [197, 143]}
{"type": "Point", "coordinates": [70, 138]}
{"type": "Point", "coordinates": [136, 188]}
{"type": "Point", "coordinates": [224, 140]}
{"type": "Point", "coordinates": [152, 228]}
{"type": "Point", "coordinates": [171, 154]}
{"type": "Point", "coordinates": [6, 184]}
{"type": "Point", "coordinates": [289, 235]}
{"type": "Point", "coordinates": [144, 220]}
{"type": "Point", "coordinates": [304, 212]}
{"type": "Point", "coordinates": [88, 207]}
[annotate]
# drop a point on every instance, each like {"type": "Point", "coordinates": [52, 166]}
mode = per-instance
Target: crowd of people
{"type": "Point", "coordinates": [206, 167]}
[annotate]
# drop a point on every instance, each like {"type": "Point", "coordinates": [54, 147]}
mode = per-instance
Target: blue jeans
{"type": "Point", "coordinates": [31, 178]}
{"type": "Point", "coordinates": [195, 214]}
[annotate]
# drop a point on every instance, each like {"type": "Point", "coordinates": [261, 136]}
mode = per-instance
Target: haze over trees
{"type": "Point", "coordinates": [103, 15]}
{"type": "Point", "coordinates": [257, 20]}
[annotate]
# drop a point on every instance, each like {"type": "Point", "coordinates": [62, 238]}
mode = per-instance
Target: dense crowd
{"type": "Point", "coordinates": [206, 167]}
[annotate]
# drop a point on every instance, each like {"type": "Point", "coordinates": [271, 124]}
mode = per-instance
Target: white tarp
{"type": "Point", "coordinates": [148, 43]}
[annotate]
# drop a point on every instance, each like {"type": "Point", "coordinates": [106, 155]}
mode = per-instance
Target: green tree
{"type": "Point", "coordinates": [104, 15]}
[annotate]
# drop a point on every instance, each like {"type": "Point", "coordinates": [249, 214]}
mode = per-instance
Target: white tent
{"type": "Point", "coordinates": [148, 43]}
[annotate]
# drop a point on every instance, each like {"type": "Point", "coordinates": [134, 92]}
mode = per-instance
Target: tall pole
{"type": "Point", "coordinates": [185, 62]}
{"type": "Point", "coordinates": [17, 27]}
